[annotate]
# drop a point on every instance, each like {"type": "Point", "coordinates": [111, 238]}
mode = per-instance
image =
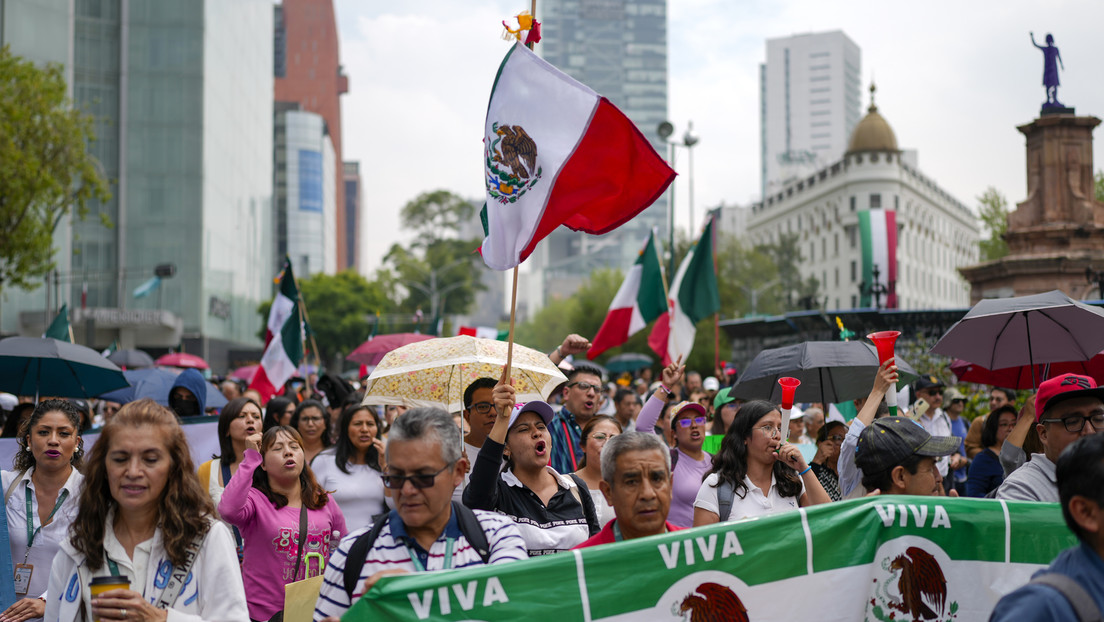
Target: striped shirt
{"type": "Point", "coordinates": [393, 549]}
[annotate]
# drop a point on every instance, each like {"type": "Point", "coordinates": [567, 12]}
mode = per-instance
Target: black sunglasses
{"type": "Point", "coordinates": [421, 480]}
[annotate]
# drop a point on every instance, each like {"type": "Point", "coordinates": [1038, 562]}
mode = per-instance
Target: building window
{"type": "Point", "coordinates": [854, 272]}
{"type": "Point", "coordinates": [836, 245]}
{"type": "Point", "coordinates": [837, 283]}
{"type": "Point", "coordinates": [875, 201]}
{"type": "Point", "coordinates": [896, 202]}
{"type": "Point", "coordinates": [852, 204]}
{"type": "Point", "coordinates": [854, 301]}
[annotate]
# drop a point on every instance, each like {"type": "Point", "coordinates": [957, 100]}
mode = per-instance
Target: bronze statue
{"type": "Point", "coordinates": [1052, 60]}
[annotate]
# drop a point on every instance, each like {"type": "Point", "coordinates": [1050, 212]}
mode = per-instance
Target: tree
{"type": "Point", "coordinates": [436, 215]}
{"type": "Point", "coordinates": [993, 211]}
{"type": "Point", "coordinates": [796, 293]}
{"type": "Point", "coordinates": [1098, 181]}
{"type": "Point", "coordinates": [46, 171]}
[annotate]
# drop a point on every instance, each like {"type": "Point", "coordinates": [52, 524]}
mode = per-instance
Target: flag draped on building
{"type": "Point", "coordinates": [484, 332]}
{"type": "Point", "coordinates": [878, 228]}
{"type": "Point", "coordinates": [59, 328]}
{"type": "Point", "coordinates": [640, 300]}
{"type": "Point", "coordinates": [283, 339]}
{"type": "Point", "coordinates": [557, 153]}
{"type": "Point", "coordinates": [693, 297]}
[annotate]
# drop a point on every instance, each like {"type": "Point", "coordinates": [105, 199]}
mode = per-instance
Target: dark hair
{"type": "Point", "coordinates": [229, 413]}
{"type": "Point", "coordinates": [24, 459]}
{"type": "Point", "coordinates": [730, 463]}
{"type": "Point", "coordinates": [589, 427]}
{"type": "Point", "coordinates": [314, 497]}
{"type": "Point", "coordinates": [185, 508]}
{"type": "Point", "coordinates": [883, 480]}
{"type": "Point", "coordinates": [84, 408]}
{"type": "Point", "coordinates": [1008, 393]}
{"type": "Point", "coordinates": [274, 410]}
{"type": "Point", "coordinates": [325, 420]}
{"type": "Point", "coordinates": [718, 423]}
{"type": "Point", "coordinates": [822, 434]}
{"type": "Point", "coordinates": [623, 393]}
{"type": "Point", "coordinates": [584, 369]}
{"type": "Point", "coordinates": [431, 424]}
{"type": "Point", "coordinates": [344, 450]}
{"type": "Point", "coordinates": [14, 420]}
{"type": "Point", "coordinates": [992, 422]}
{"type": "Point", "coordinates": [1080, 473]}
{"type": "Point", "coordinates": [480, 383]}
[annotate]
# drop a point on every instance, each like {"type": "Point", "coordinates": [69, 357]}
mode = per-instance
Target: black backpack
{"type": "Point", "coordinates": [358, 552]}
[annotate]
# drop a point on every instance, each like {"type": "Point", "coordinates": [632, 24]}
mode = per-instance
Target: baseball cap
{"type": "Point", "coordinates": [952, 394]}
{"type": "Point", "coordinates": [722, 398]}
{"type": "Point", "coordinates": [536, 406]}
{"type": "Point", "coordinates": [1065, 387]}
{"type": "Point", "coordinates": [889, 441]}
{"type": "Point", "coordinates": [711, 384]}
{"type": "Point", "coordinates": [679, 408]}
{"type": "Point", "coordinates": [927, 382]}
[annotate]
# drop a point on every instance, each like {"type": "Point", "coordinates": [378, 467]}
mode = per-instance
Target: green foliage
{"type": "Point", "coordinates": [46, 171]}
{"type": "Point", "coordinates": [435, 215]}
{"type": "Point", "coordinates": [580, 313]}
{"type": "Point", "coordinates": [993, 211]}
{"type": "Point", "coordinates": [797, 293]}
{"type": "Point", "coordinates": [1098, 183]}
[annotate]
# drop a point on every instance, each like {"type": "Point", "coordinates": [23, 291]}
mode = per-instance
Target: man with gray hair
{"type": "Point", "coordinates": [636, 481]}
{"type": "Point", "coordinates": [426, 530]}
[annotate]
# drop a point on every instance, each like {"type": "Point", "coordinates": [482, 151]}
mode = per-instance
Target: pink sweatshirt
{"type": "Point", "coordinates": [271, 538]}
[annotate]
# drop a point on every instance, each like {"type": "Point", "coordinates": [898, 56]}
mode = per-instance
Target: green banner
{"type": "Point", "coordinates": [887, 558]}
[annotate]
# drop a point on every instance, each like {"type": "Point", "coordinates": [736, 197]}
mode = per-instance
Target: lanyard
{"type": "Point", "coordinates": [418, 563]}
{"type": "Point", "coordinates": [617, 537]}
{"type": "Point", "coordinates": [113, 566]}
{"type": "Point", "coordinates": [31, 531]}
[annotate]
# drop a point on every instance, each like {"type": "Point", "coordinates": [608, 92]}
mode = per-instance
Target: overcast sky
{"type": "Point", "coordinates": [954, 80]}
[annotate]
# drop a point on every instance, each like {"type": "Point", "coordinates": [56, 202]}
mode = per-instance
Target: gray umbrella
{"type": "Point", "coordinates": [1025, 331]}
{"type": "Point", "coordinates": [43, 366]}
{"type": "Point", "coordinates": [829, 371]}
{"type": "Point", "coordinates": [131, 359]}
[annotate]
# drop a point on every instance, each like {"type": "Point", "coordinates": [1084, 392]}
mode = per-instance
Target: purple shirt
{"type": "Point", "coordinates": [688, 473]}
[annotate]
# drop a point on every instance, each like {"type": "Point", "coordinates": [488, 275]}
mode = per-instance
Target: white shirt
{"type": "Point", "coordinates": [601, 507]}
{"type": "Point", "coordinates": [938, 424]}
{"type": "Point", "coordinates": [359, 493]}
{"type": "Point", "coordinates": [754, 503]}
{"type": "Point", "coordinates": [47, 542]}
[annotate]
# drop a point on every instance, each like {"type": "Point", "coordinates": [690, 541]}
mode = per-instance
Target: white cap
{"type": "Point", "coordinates": [711, 384]}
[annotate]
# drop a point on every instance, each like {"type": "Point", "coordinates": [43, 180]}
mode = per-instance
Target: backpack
{"type": "Point", "coordinates": [1083, 604]}
{"type": "Point", "coordinates": [725, 492]}
{"type": "Point", "coordinates": [358, 552]}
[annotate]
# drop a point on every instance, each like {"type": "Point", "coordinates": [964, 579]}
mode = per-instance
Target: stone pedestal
{"type": "Point", "coordinates": [1058, 231]}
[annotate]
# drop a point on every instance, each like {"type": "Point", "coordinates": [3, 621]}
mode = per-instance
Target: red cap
{"type": "Point", "coordinates": [1064, 387]}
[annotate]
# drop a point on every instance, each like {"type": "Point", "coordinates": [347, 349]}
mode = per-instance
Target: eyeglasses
{"type": "Point", "coordinates": [838, 438]}
{"type": "Point", "coordinates": [687, 421]}
{"type": "Point", "coordinates": [482, 407]}
{"type": "Point", "coordinates": [602, 436]}
{"type": "Point", "coordinates": [770, 431]}
{"type": "Point", "coordinates": [585, 386]}
{"type": "Point", "coordinates": [311, 419]}
{"type": "Point", "coordinates": [1076, 423]}
{"type": "Point", "coordinates": [419, 481]}
{"type": "Point", "coordinates": [959, 401]}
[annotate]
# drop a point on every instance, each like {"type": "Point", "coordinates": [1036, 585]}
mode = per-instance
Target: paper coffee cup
{"type": "Point", "coordinates": [99, 585]}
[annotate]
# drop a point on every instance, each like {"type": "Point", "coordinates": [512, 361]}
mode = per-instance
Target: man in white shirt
{"type": "Point", "coordinates": [936, 422]}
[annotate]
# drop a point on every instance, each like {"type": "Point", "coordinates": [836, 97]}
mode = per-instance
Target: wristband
{"type": "Point", "coordinates": [666, 390]}
{"type": "Point", "coordinates": [806, 470]}
{"type": "Point", "coordinates": [559, 352]}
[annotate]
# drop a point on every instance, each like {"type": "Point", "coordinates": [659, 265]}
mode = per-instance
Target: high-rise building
{"type": "Point", "coordinates": [303, 193]}
{"type": "Point", "coordinates": [619, 49]}
{"type": "Point", "coordinates": [351, 214]}
{"type": "Point", "coordinates": [181, 93]}
{"type": "Point", "coordinates": [307, 66]}
{"type": "Point", "coordinates": [810, 101]}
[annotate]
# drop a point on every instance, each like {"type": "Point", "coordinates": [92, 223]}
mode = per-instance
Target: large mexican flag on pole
{"type": "Point", "coordinates": [878, 229]}
{"type": "Point", "coordinates": [887, 559]}
{"type": "Point", "coordinates": [557, 153]}
{"type": "Point", "coordinates": [283, 339]}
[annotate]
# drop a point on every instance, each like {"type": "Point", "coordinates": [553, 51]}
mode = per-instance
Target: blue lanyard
{"type": "Point", "coordinates": [418, 563]}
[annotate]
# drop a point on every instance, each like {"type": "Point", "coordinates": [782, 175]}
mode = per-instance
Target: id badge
{"type": "Point", "coordinates": [23, 578]}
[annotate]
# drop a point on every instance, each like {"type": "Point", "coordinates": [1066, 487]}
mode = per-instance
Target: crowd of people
{"type": "Point", "coordinates": [313, 482]}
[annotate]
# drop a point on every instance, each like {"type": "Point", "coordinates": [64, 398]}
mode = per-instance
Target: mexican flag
{"type": "Point", "coordinates": [640, 300]}
{"type": "Point", "coordinates": [693, 297]}
{"type": "Point", "coordinates": [557, 153]}
{"type": "Point", "coordinates": [484, 332]}
{"type": "Point", "coordinates": [59, 329]}
{"type": "Point", "coordinates": [878, 228]}
{"type": "Point", "coordinates": [283, 339]}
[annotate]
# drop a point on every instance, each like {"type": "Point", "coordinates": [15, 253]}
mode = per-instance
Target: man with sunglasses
{"type": "Point", "coordinates": [1066, 408]}
{"type": "Point", "coordinates": [581, 397]}
{"type": "Point", "coordinates": [426, 530]}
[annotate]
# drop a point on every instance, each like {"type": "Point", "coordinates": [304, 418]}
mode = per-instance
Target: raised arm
{"type": "Point", "coordinates": [572, 344]}
{"type": "Point", "coordinates": [884, 380]}
{"type": "Point", "coordinates": [653, 408]}
{"type": "Point", "coordinates": [236, 507]}
{"type": "Point", "coordinates": [1036, 44]}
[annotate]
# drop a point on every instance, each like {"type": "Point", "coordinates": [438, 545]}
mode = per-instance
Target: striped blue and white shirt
{"type": "Point", "coordinates": [393, 547]}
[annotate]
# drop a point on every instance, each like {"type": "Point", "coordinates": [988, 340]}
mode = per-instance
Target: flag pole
{"type": "Point", "coordinates": [717, 315]}
{"type": "Point", "coordinates": [306, 318]}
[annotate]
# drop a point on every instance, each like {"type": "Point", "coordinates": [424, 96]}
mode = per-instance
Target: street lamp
{"type": "Point", "coordinates": [876, 289]}
{"type": "Point", "coordinates": [689, 139]}
{"type": "Point", "coordinates": [433, 292]}
{"type": "Point", "coordinates": [1096, 277]}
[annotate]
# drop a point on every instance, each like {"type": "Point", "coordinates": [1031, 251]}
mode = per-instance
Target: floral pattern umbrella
{"type": "Point", "coordinates": [436, 372]}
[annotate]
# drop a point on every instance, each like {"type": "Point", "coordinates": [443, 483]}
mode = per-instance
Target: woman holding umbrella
{"type": "Point", "coordinates": [41, 497]}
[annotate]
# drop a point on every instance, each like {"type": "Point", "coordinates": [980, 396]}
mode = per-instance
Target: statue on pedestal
{"type": "Point", "coordinates": [1052, 60]}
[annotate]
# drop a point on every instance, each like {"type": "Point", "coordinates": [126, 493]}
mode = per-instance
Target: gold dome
{"type": "Point", "coordinates": [873, 132]}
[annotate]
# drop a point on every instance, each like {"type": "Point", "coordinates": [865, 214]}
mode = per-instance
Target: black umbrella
{"type": "Point", "coordinates": [629, 361]}
{"type": "Point", "coordinates": [1025, 331]}
{"type": "Point", "coordinates": [43, 366]}
{"type": "Point", "coordinates": [829, 371]}
{"type": "Point", "coordinates": [131, 359]}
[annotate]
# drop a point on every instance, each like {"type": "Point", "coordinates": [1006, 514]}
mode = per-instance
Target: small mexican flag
{"type": "Point", "coordinates": [878, 228]}
{"type": "Point", "coordinates": [484, 332]}
{"type": "Point", "coordinates": [557, 153]}
{"type": "Point", "coordinates": [640, 300]}
{"type": "Point", "coordinates": [59, 328]}
{"type": "Point", "coordinates": [283, 339]}
{"type": "Point", "coordinates": [694, 296]}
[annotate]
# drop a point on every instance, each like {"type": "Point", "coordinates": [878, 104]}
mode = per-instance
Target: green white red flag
{"type": "Point", "coordinates": [557, 153]}
{"type": "Point", "coordinates": [878, 228]}
{"type": "Point", "coordinates": [283, 339]}
{"type": "Point", "coordinates": [693, 297]}
{"type": "Point", "coordinates": [484, 332]}
{"type": "Point", "coordinates": [640, 300]}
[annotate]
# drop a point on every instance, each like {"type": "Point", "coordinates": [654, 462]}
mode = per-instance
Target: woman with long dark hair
{"type": "Point", "coordinates": [763, 474]}
{"type": "Point", "coordinates": [278, 411]}
{"type": "Point", "coordinates": [144, 515]}
{"type": "Point", "coordinates": [986, 473]}
{"type": "Point", "coordinates": [284, 516]}
{"type": "Point", "coordinates": [41, 497]}
{"type": "Point", "coordinates": [312, 421]}
{"type": "Point", "coordinates": [353, 467]}
{"type": "Point", "coordinates": [238, 420]}
{"type": "Point", "coordinates": [596, 432]}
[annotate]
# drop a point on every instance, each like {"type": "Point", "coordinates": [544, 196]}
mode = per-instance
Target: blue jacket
{"type": "Point", "coordinates": [1040, 603]}
{"type": "Point", "coordinates": [193, 381]}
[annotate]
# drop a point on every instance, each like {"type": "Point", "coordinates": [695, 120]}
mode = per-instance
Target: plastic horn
{"type": "Point", "coordinates": [789, 387]}
{"type": "Point", "coordinates": [885, 341]}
